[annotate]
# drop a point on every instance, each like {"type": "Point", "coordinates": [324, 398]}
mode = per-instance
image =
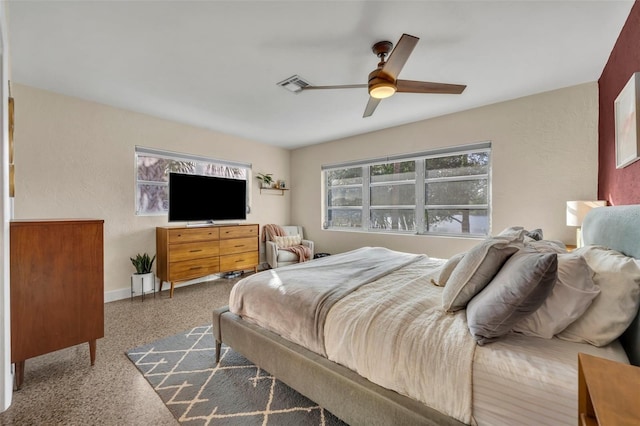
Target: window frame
{"type": "Point", "coordinates": [421, 182]}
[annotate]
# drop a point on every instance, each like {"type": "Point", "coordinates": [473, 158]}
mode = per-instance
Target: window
{"type": "Point", "coordinates": [444, 192]}
{"type": "Point", "coordinates": [392, 200]}
{"type": "Point", "coordinates": [344, 202]}
{"type": "Point", "coordinates": [152, 175]}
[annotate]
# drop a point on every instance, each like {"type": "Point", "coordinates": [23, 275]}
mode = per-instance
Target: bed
{"type": "Point", "coordinates": [347, 355]}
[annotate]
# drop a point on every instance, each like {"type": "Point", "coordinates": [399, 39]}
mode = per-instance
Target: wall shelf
{"type": "Point", "coordinates": [274, 191]}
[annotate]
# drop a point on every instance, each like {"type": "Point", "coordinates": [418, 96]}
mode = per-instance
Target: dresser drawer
{"type": "Point", "coordinates": [238, 245]}
{"type": "Point", "coordinates": [188, 253]}
{"type": "Point", "coordinates": [197, 250]}
{"type": "Point", "coordinates": [241, 231]}
{"type": "Point", "coordinates": [185, 235]}
{"type": "Point", "coordinates": [180, 271]}
{"type": "Point", "coordinates": [238, 262]}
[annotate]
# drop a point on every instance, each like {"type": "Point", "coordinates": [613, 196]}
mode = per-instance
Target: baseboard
{"type": "Point", "coordinates": [125, 293]}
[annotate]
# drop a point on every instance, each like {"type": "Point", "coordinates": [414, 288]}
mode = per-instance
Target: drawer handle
{"type": "Point", "coordinates": [239, 260]}
{"type": "Point", "coordinates": [195, 250]}
{"type": "Point", "coordinates": [193, 268]}
{"type": "Point", "coordinates": [240, 245]}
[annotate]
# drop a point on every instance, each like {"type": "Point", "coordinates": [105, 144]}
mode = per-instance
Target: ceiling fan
{"type": "Point", "coordinates": [383, 81]}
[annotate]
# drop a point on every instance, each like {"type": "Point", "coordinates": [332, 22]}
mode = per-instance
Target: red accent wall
{"type": "Point", "coordinates": [618, 186]}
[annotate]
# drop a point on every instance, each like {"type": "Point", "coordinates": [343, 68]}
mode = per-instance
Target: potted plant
{"type": "Point", "coordinates": [143, 279]}
{"type": "Point", "coordinates": [266, 179]}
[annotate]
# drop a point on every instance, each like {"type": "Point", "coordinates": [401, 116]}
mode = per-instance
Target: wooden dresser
{"type": "Point", "coordinates": [57, 287]}
{"type": "Point", "coordinates": [185, 253]}
{"type": "Point", "coordinates": [608, 392]}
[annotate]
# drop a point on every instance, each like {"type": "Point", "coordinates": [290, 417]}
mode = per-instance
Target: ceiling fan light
{"type": "Point", "coordinates": [382, 90]}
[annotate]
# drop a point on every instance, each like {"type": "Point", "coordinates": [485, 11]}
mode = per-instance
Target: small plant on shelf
{"type": "Point", "coordinates": [266, 179]}
{"type": "Point", "coordinates": [143, 263]}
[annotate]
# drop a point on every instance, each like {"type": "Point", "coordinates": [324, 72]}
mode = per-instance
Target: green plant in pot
{"type": "Point", "coordinates": [266, 179]}
{"type": "Point", "coordinates": [143, 279]}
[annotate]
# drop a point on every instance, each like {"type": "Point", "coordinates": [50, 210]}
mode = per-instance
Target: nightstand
{"type": "Point", "coordinates": [570, 247]}
{"type": "Point", "coordinates": [608, 392]}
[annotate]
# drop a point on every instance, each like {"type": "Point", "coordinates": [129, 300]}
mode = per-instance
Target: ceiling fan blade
{"type": "Point", "coordinates": [371, 106]}
{"type": "Point", "coordinates": [343, 86]}
{"type": "Point", "coordinates": [410, 86]}
{"type": "Point", "coordinates": [399, 55]}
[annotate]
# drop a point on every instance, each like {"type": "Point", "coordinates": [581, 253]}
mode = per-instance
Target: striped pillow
{"type": "Point", "coordinates": [287, 241]}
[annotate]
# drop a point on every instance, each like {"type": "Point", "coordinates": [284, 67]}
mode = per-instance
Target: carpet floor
{"type": "Point", "coordinates": [182, 370]}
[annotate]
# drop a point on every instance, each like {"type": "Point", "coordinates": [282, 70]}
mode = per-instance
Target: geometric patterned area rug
{"type": "Point", "coordinates": [182, 370]}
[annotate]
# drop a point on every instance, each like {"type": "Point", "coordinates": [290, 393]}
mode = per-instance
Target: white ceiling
{"type": "Point", "coordinates": [215, 64]}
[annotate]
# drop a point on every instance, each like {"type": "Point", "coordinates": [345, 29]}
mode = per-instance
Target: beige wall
{"type": "Point", "coordinates": [76, 159]}
{"type": "Point", "coordinates": [544, 153]}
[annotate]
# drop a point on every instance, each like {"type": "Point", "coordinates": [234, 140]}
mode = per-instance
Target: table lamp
{"type": "Point", "coordinates": [576, 211]}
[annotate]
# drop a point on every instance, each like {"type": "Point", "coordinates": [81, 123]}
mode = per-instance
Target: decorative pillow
{"type": "Point", "coordinates": [287, 241]}
{"type": "Point", "coordinates": [618, 277]}
{"type": "Point", "coordinates": [514, 233]}
{"type": "Point", "coordinates": [571, 296]}
{"type": "Point", "coordinates": [478, 266]}
{"type": "Point", "coordinates": [521, 287]}
{"type": "Point", "coordinates": [447, 269]}
{"type": "Point", "coordinates": [547, 246]}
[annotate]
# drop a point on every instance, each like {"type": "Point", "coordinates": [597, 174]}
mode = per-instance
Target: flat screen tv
{"type": "Point", "coordinates": [194, 198]}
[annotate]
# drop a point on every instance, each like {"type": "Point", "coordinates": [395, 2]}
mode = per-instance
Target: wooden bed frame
{"type": "Point", "coordinates": [356, 400]}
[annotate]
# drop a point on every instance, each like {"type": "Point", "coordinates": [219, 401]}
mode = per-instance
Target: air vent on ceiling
{"type": "Point", "coordinates": [294, 84]}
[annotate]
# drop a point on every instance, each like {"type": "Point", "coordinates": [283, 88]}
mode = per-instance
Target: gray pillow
{"type": "Point", "coordinates": [478, 266]}
{"type": "Point", "coordinates": [571, 296]}
{"type": "Point", "coordinates": [519, 289]}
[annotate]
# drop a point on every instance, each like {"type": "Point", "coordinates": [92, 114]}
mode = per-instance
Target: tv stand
{"type": "Point", "coordinates": [185, 253]}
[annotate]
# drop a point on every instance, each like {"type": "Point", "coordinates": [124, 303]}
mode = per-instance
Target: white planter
{"type": "Point", "coordinates": [137, 281]}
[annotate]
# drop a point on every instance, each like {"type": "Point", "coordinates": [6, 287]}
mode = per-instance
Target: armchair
{"type": "Point", "coordinates": [277, 257]}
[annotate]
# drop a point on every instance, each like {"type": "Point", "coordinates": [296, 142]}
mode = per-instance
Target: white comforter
{"type": "Point", "coordinates": [395, 333]}
{"type": "Point", "coordinates": [293, 301]}
{"type": "Point", "coordinates": [377, 313]}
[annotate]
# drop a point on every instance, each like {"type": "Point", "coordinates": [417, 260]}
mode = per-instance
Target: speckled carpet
{"type": "Point", "coordinates": [182, 370]}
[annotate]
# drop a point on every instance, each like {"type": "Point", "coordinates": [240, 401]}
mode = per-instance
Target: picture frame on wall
{"type": "Point", "coordinates": [626, 123]}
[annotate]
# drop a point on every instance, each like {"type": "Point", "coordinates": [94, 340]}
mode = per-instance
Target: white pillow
{"type": "Point", "coordinates": [618, 277]}
{"type": "Point", "coordinates": [447, 269]}
{"type": "Point", "coordinates": [514, 233]}
{"type": "Point", "coordinates": [547, 246]}
{"type": "Point", "coordinates": [287, 241]}
{"type": "Point", "coordinates": [478, 266]}
{"type": "Point", "coordinates": [571, 296]}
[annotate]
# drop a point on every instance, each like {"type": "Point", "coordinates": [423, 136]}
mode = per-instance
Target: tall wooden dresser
{"type": "Point", "coordinates": [57, 287]}
{"type": "Point", "coordinates": [185, 253]}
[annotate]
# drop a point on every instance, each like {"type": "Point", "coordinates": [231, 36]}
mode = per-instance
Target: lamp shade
{"type": "Point", "coordinates": [577, 210]}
